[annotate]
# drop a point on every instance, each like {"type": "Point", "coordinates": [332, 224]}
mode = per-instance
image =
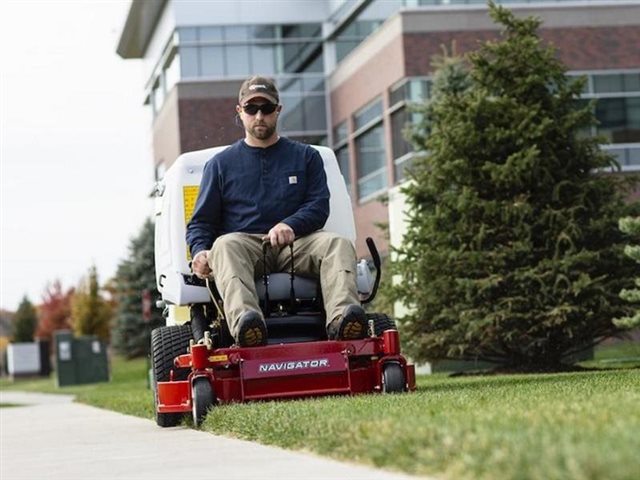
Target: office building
{"type": "Point", "coordinates": [348, 69]}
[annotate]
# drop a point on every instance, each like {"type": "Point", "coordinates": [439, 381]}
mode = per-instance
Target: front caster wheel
{"type": "Point", "coordinates": [393, 380]}
{"type": "Point", "coordinates": [202, 399]}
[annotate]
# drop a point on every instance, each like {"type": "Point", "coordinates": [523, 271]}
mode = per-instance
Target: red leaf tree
{"type": "Point", "coordinates": [55, 311]}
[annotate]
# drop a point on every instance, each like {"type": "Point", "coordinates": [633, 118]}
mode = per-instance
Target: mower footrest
{"type": "Point", "coordinates": [174, 397]}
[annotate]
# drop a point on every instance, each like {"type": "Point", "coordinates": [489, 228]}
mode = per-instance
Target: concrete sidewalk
{"type": "Point", "coordinates": [51, 437]}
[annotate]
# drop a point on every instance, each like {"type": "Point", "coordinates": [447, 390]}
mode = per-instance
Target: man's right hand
{"type": "Point", "coordinates": [199, 264]}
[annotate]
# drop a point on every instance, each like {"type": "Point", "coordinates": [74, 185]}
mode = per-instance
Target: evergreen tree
{"type": "Point", "coordinates": [90, 312]}
{"type": "Point", "coordinates": [24, 322]}
{"type": "Point", "coordinates": [512, 252]}
{"type": "Point", "coordinates": [631, 226]}
{"type": "Point", "coordinates": [135, 278]}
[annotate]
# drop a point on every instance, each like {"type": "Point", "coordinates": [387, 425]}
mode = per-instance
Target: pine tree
{"type": "Point", "coordinates": [90, 313]}
{"type": "Point", "coordinates": [136, 275]}
{"type": "Point", "coordinates": [512, 252]}
{"type": "Point", "coordinates": [24, 322]}
{"type": "Point", "coordinates": [631, 226]}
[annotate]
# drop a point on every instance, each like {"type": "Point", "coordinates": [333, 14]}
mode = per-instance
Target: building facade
{"type": "Point", "coordinates": [349, 69]}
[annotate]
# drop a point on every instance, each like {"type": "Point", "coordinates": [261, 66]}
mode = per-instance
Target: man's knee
{"type": "Point", "coordinates": [337, 243]}
{"type": "Point", "coordinates": [228, 247]}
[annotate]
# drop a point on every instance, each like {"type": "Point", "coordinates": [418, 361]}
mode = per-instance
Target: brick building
{"type": "Point", "coordinates": [348, 69]}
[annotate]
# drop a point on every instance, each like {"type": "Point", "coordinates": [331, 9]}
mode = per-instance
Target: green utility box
{"type": "Point", "coordinates": [80, 359]}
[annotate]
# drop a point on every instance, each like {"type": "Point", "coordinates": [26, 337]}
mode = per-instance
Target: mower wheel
{"type": "Point", "coordinates": [202, 399]}
{"type": "Point", "coordinates": [393, 380]}
{"type": "Point", "coordinates": [381, 322]}
{"type": "Point", "coordinates": [166, 344]}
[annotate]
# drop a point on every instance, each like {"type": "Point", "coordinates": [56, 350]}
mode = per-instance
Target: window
{"type": "Point", "coordinates": [371, 159]}
{"type": "Point", "coordinates": [371, 112]}
{"type": "Point", "coordinates": [340, 133]}
{"type": "Point", "coordinates": [617, 95]}
{"type": "Point", "coordinates": [619, 119]}
{"type": "Point", "coordinates": [211, 61]}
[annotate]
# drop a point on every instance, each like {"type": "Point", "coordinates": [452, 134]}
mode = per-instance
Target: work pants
{"type": "Point", "coordinates": [236, 261]}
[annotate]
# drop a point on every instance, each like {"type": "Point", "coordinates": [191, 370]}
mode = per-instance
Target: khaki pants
{"type": "Point", "coordinates": [236, 262]}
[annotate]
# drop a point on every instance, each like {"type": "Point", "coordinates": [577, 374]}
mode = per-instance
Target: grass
{"type": "Point", "coordinates": [581, 425]}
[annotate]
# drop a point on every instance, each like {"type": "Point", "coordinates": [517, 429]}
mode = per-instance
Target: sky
{"type": "Point", "coordinates": [75, 145]}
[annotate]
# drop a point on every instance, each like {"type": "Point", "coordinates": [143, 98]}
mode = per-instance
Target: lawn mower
{"type": "Point", "coordinates": [298, 361]}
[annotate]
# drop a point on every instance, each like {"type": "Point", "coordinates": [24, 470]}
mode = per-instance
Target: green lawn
{"type": "Point", "coordinates": [554, 426]}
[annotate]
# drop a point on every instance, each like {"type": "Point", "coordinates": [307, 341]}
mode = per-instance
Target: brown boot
{"type": "Point", "coordinates": [351, 325]}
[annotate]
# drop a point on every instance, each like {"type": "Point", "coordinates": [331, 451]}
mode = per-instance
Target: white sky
{"type": "Point", "coordinates": [75, 153]}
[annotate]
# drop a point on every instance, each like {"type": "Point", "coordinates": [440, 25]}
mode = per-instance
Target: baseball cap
{"type": "Point", "coordinates": [258, 86]}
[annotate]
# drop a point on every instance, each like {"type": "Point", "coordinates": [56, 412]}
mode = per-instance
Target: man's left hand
{"type": "Point", "coordinates": [280, 235]}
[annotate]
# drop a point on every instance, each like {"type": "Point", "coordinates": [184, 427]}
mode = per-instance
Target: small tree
{"type": "Point", "coordinates": [134, 280]}
{"type": "Point", "coordinates": [512, 252]}
{"type": "Point", "coordinates": [24, 321]}
{"type": "Point", "coordinates": [631, 226]}
{"type": "Point", "coordinates": [90, 313]}
{"type": "Point", "coordinates": [55, 311]}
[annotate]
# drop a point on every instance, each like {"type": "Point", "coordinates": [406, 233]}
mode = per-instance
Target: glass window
{"type": "Point", "coordinates": [315, 117]}
{"type": "Point", "coordinates": [340, 132]}
{"type": "Point", "coordinates": [189, 62]}
{"type": "Point", "coordinates": [211, 61]}
{"type": "Point", "coordinates": [368, 114]}
{"type": "Point", "coordinates": [372, 168]}
{"type": "Point", "coordinates": [344, 47]}
{"type": "Point", "coordinates": [292, 116]}
{"type": "Point", "coordinates": [619, 119]}
{"type": "Point", "coordinates": [399, 120]}
{"type": "Point", "coordinates": [237, 60]}
{"type": "Point", "coordinates": [618, 82]}
{"type": "Point", "coordinates": [343, 162]}
{"type": "Point", "coordinates": [293, 56]}
{"type": "Point", "coordinates": [211, 34]}
{"type": "Point", "coordinates": [301, 30]}
{"type": "Point", "coordinates": [290, 86]}
{"type": "Point", "coordinates": [236, 33]}
{"type": "Point", "coordinates": [632, 82]}
{"type": "Point", "coordinates": [398, 94]}
{"type": "Point", "coordinates": [188, 34]}
{"type": "Point", "coordinates": [261, 32]}
{"type": "Point", "coordinates": [313, 84]}
{"type": "Point", "coordinates": [607, 83]}
{"type": "Point", "coordinates": [263, 60]}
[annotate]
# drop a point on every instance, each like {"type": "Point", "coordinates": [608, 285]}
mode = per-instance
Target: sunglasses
{"type": "Point", "coordinates": [254, 108]}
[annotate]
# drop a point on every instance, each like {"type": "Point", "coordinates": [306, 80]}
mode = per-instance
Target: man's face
{"type": "Point", "coordinates": [259, 125]}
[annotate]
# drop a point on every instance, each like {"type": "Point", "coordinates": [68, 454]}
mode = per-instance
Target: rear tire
{"type": "Point", "coordinates": [202, 399]}
{"type": "Point", "coordinates": [393, 380]}
{"type": "Point", "coordinates": [381, 322]}
{"type": "Point", "coordinates": [166, 344]}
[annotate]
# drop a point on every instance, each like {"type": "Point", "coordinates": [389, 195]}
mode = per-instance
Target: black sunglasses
{"type": "Point", "coordinates": [265, 108]}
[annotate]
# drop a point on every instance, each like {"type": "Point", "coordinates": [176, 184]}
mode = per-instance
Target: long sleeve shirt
{"type": "Point", "coordinates": [250, 189]}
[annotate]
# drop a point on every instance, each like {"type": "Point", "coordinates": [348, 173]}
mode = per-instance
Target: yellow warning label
{"type": "Point", "coordinates": [189, 197]}
{"type": "Point", "coordinates": [218, 358]}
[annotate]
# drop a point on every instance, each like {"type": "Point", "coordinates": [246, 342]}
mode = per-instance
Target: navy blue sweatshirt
{"type": "Point", "coordinates": [250, 189]}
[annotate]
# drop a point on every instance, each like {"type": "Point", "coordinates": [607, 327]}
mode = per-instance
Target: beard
{"type": "Point", "coordinates": [262, 132]}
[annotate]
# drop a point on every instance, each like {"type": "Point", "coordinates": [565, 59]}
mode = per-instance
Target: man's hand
{"type": "Point", "coordinates": [199, 264]}
{"type": "Point", "coordinates": [280, 235]}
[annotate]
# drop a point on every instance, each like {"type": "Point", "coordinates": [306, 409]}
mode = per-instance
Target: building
{"type": "Point", "coordinates": [347, 70]}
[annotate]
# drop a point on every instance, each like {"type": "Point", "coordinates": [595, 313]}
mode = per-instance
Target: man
{"type": "Point", "coordinates": [269, 188]}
